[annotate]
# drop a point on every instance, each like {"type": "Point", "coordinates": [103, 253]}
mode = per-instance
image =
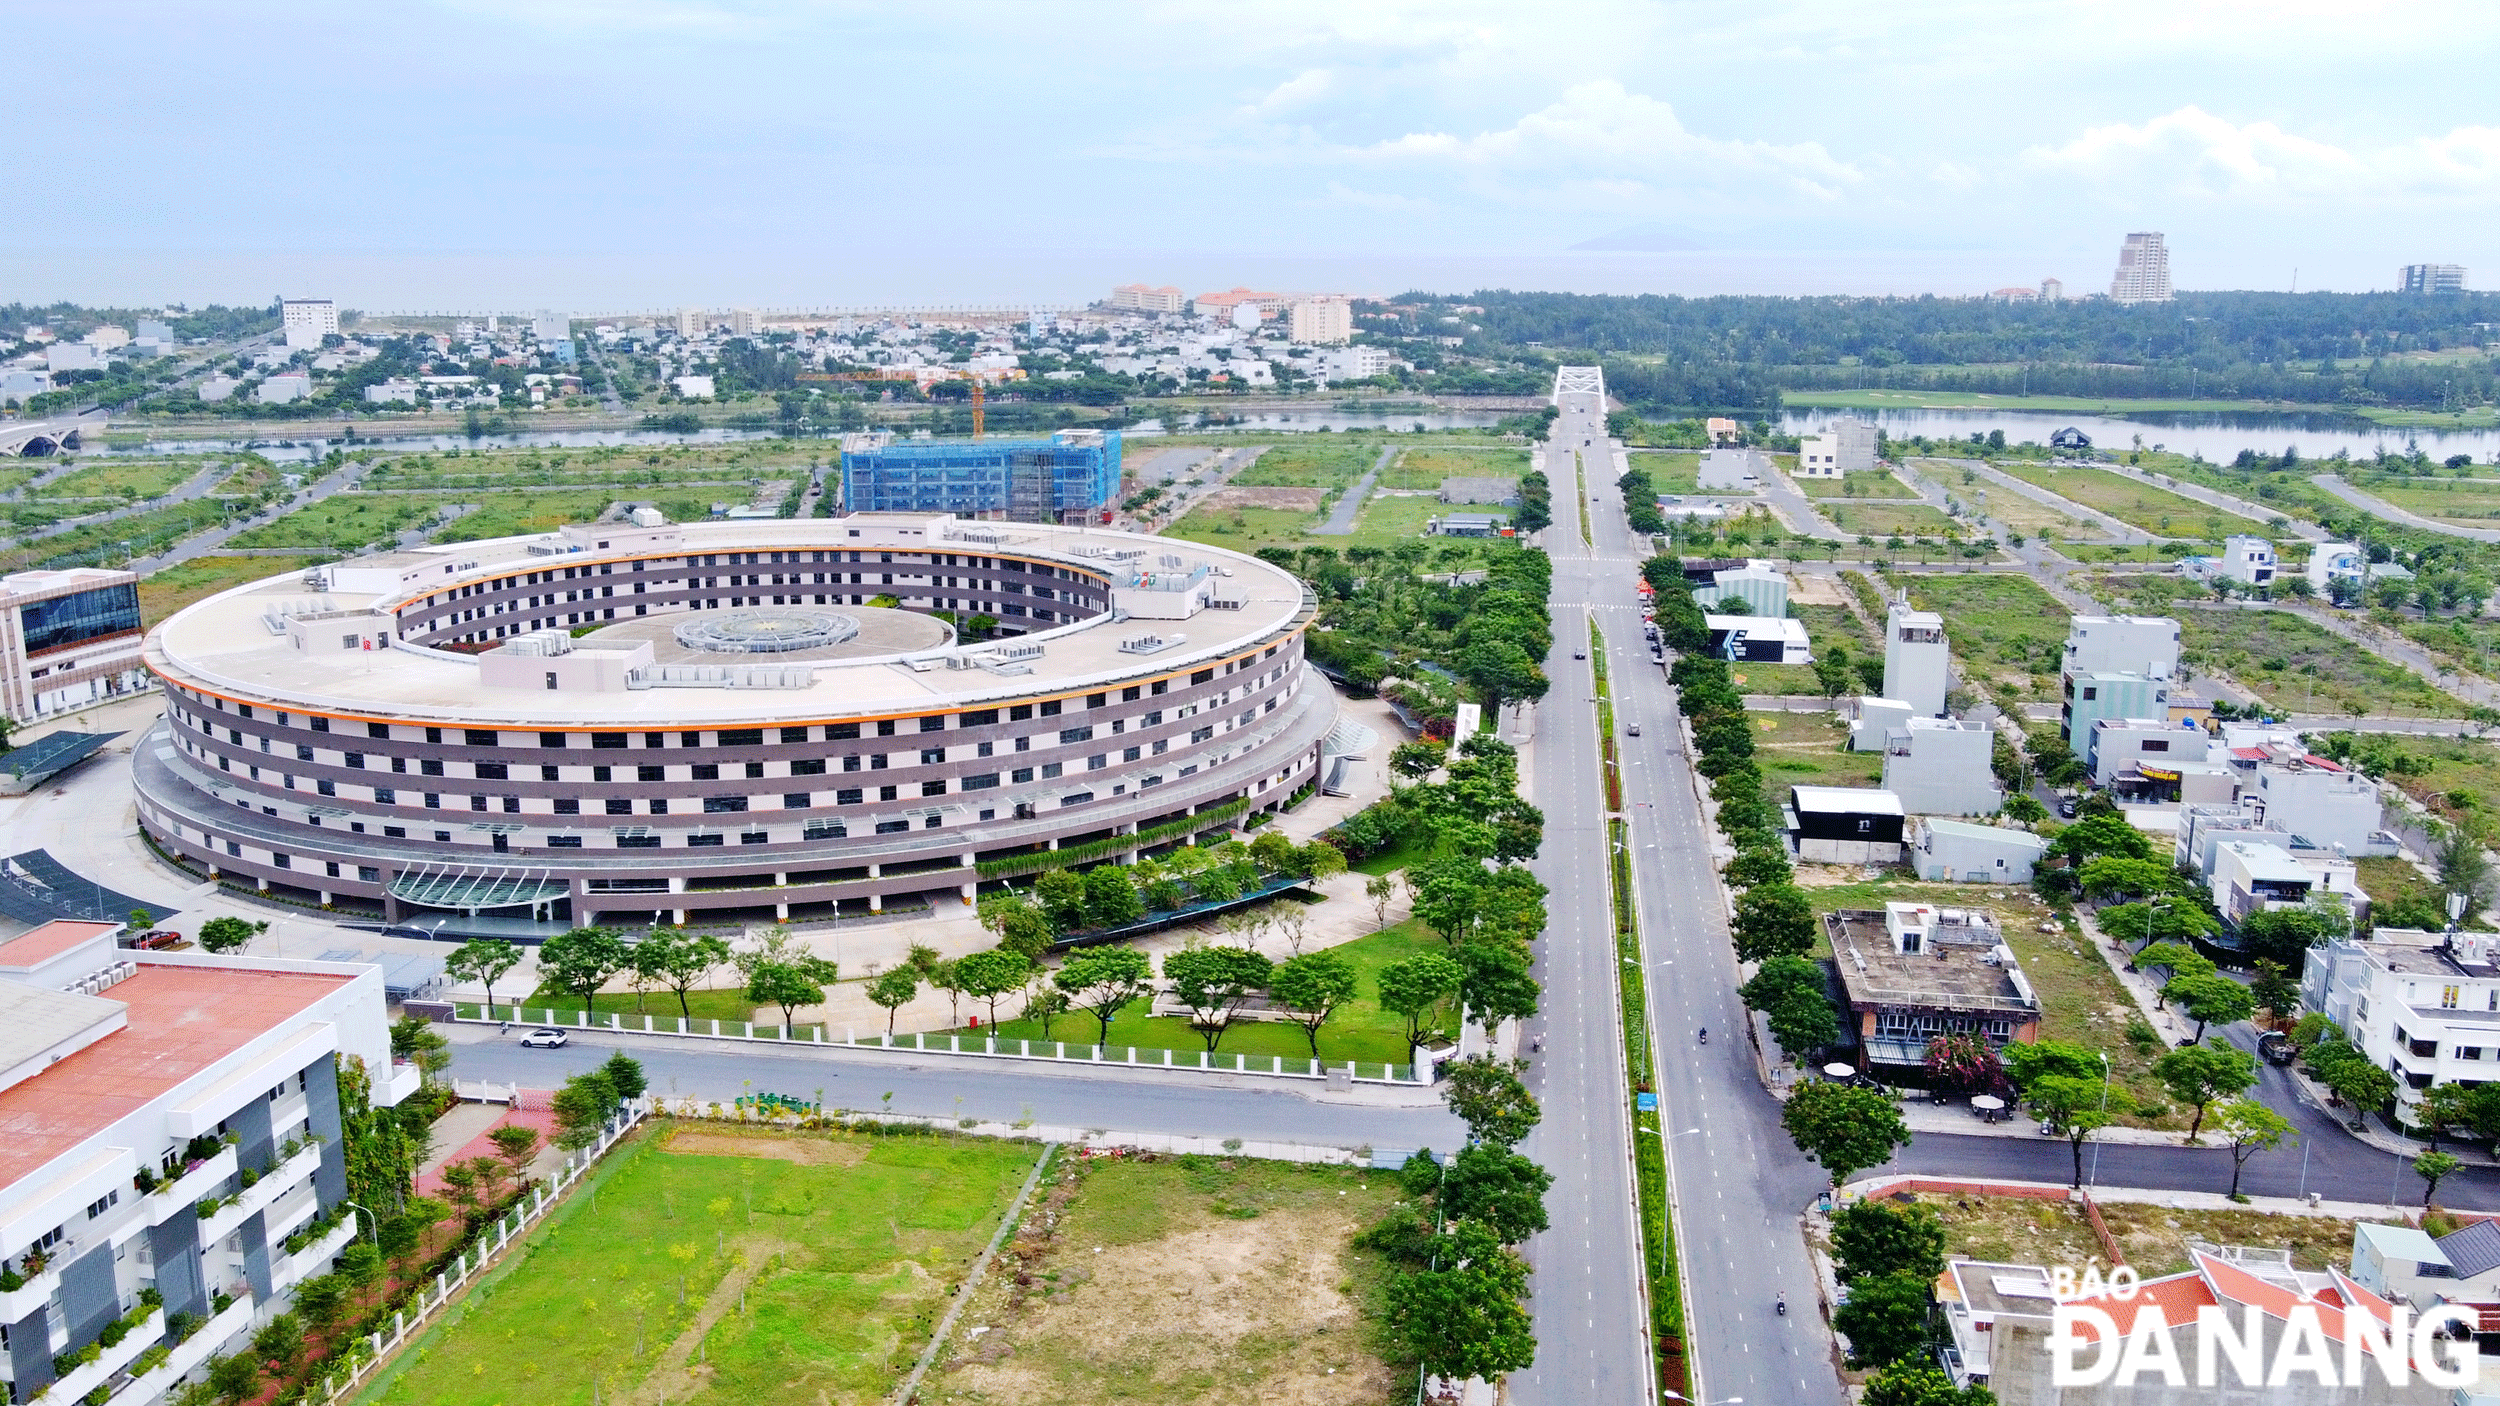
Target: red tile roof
{"type": "Point", "coordinates": [183, 1019]}
{"type": "Point", "coordinates": [42, 944]}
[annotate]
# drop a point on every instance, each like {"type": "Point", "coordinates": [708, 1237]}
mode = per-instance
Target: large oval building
{"type": "Point", "coordinates": [638, 722]}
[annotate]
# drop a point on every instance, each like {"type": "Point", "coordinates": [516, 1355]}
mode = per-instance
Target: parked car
{"type": "Point", "coordinates": [2066, 808]}
{"type": "Point", "coordinates": [545, 1039]}
{"type": "Point", "coordinates": [154, 941]}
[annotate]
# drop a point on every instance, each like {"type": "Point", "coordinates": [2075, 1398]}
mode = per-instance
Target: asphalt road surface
{"type": "Point", "coordinates": [1185, 1105]}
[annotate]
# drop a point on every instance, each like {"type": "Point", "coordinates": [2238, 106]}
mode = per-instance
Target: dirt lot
{"type": "Point", "coordinates": [2019, 1230]}
{"type": "Point", "coordinates": [1180, 1280]}
{"type": "Point", "coordinates": [1299, 500]}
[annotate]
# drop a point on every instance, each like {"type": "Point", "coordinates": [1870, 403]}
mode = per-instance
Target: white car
{"type": "Point", "coordinates": [545, 1040]}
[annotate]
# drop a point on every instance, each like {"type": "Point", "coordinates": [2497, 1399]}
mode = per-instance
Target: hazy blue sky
{"type": "Point", "coordinates": [625, 153]}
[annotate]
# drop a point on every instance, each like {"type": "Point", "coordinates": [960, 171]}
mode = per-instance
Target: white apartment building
{"type": "Point", "coordinates": [2052, 290]}
{"type": "Point", "coordinates": [135, 1085]}
{"type": "Point", "coordinates": [285, 388]}
{"type": "Point", "coordinates": [72, 356]}
{"type": "Point", "coordinates": [745, 322]}
{"type": "Point", "coordinates": [692, 387]}
{"type": "Point", "coordinates": [305, 321]}
{"type": "Point", "coordinates": [1355, 363]}
{"type": "Point", "coordinates": [2121, 644]}
{"type": "Point", "coordinates": [2431, 278]}
{"type": "Point", "coordinates": [1320, 321]}
{"type": "Point", "coordinates": [1942, 766]}
{"type": "Point", "coordinates": [2124, 745]}
{"type": "Point", "coordinates": [68, 639]}
{"type": "Point", "coordinates": [2424, 1006]}
{"type": "Point", "coordinates": [2143, 270]}
{"type": "Point", "coordinates": [693, 324]}
{"type": "Point", "coordinates": [1917, 660]}
{"type": "Point", "coordinates": [2330, 562]}
{"type": "Point", "coordinates": [1818, 456]}
{"type": "Point", "coordinates": [1137, 297]}
{"type": "Point", "coordinates": [2248, 560]}
{"type": "Point", "coordinates": [1857, 444]}
{"type": "Point", "coordinates": [2328, 807]}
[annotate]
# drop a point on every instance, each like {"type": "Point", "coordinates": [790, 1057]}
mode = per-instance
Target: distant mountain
{"type": "Point", "coordinates": [1649, 238]}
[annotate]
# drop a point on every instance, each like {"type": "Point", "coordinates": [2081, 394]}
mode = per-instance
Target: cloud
{"type": "Point", "coordinates": [1602, 127]}
{"type": "Point", "coordinates": [2193, 152]}
{"type": "Point", "coordinates": [1297, 92]}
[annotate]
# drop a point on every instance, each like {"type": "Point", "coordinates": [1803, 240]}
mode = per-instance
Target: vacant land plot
{"type": "Point", "coordinates": [1858, 485]}
{"type": "Point", "coordinates": [1360, 1029]}
{"type": "Point", "coordinates": [1171, 1280]}
{"type": "Point", "coordinates": [2295, 665]}
{"type": "Point", "coordinates": [1670, 470]}
{"type": "Point", "coordinates": [139, 534]}
{"type": "Point", "coordinates": [2021, 1230]}
{"type": "Point", "coordinates": [504, 514]}
{"type": "Point", "coordinates": [1325, 462]}
{"type": "Point", "coordinates": [1882, 520]}
{"type": "Point", "coordinates": [123, 481]}
{"type": "Point", "coordinates": [2146, 553]}
{"type": "Point", "coordinates": [2004, 629]}
{"type": "Point", "coordinates": [345, 522]}
{"type": "Point", "coordinates": [813, 1267]}
{"type": "Point", "coordinates": [1390, 518]}
{"type": "Point", "coordinates": [2018, 512]}
{"type": "Point", "coordinates": [1807, 749]}
{"type": "Point", "coordinates": [1291, 500]}
{"type": "Point", "coordinates": [174, 587]}
{"type": "Point", "coordinates": [1248, 529]}
{"type": "Point", "coordinates": [1425, 468]}
{"type": "Point", "coordinates": [2155, 510]}
{"type": "Point", "coordinates": [2473, 501]}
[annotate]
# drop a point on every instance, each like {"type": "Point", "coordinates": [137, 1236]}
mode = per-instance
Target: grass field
{"type": "Point", "coordinates": [1425, 468]}
{"type": "Point", "coordinates": [343, 523]}
{"type": "Point", "coordinates": [2028, 516]}
{"type": "Point", "coordinates": [1360, 1029]}
{"type": "Point", "coordinates": [719, 1003]}
{"type": "Point", "coordinates": [1882, 520]}
{"type": "Point", "coordinates": [1327, 462]}
{"type": "Point", "coordinates": [2297, 666]}
{"type": "Point", "coordinates": [1805, 749]}
{"type": "Point", "coordinates": [1670, 470]}
{"type": "Point", "coordinates": [2474, 502]}
{"type": "Point", "coordinates": [2155, 510]}
{"type": "Point", "coordinates": [2147, 553]}
{"type": "Point", "coordinates": [1248, 529]}
{"type": "Point", "coordinates": [1858, 485]}
{"type": "Point", "coordinates": [2002, 626]}
{"type": "Point", "coordinates": [174, 587]}
{"type": "Point", "coordinates": [1982, 400]}
{"type": "Point", "coordinates": [1388, 519]}
{"type": "Point", "coordinates": [1182, 1280]}
{"type": "Point", "coordinates": [504, 514]}
{"type": "Point", "coordinates": [143, 532]}
{"type": "Point", "coordinates": [124, 481]}
{"type": "Point", "coordinates": [832, 1257]}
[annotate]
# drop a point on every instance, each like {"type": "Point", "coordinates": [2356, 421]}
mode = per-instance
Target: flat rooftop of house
{"type": "Point", "coordinates": [1998, 1290]}
{"type": "Point", "coordinates": [1994, 834]}
{"type": "Point", "coordinates": [182, 1020]}
{"type": "Point", "coordinates": [1850, 800]}
{"type": "Point", "coordinates": [2265, 862]}
{"type": "Point", "coordinates": [1951, 975]}
{"type": "Point", "coordinates": [225, 640]}
{"type": "Point", "coordinates": [2415, 952]}
{"type": "Point", "coordinates": [37, 946]}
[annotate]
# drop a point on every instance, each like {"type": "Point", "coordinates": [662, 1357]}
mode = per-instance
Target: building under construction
{"type": "Point", "coordinates": [1066, 478]}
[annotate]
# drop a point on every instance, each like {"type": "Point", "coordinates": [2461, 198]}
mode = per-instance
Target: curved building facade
{"type": "Point", "coordinates": [642, 722]}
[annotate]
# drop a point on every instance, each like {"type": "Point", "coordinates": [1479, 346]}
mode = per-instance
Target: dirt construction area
{"type": "Point", "coordinates": [1291, 500]}
{"type": "Point", "coordinates": [1157, 1279]}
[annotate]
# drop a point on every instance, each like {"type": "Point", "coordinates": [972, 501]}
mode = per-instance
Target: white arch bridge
{"type": "Point", "coordinates": [35, 439]}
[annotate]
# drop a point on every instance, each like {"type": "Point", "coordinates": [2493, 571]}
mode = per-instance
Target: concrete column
{"type": "Point", "coordinates": [89, 1299]}
{"type": "Point", "coordinates": [325, 898]}
{"type": "Point", "coordinates": [972, 893]}
{"type": "Point", "coordinates": [681, 917]}
{"type": "Point", "coordinates": [781, 880]}
{"type": "Point", "coordinates": [781, 912]}
{"type": "Point", "coordinates": [876, 903]}
{"type": "Point", "coordinates": [175, 1244]}
{"type": "Point", "coordinates": [255, 1233]}
{"type": "Point", "coordinates": [876, 871]}
{"type": "Point", "coordinates": [256, 1143]}
{"type": "Point", "coordinates": [30, 1351]}
{"type": "Point", "coordinates": [321, 1114]}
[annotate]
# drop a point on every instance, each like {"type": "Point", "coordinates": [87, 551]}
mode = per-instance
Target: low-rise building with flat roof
{"type": "Point", "coordinates": [1958, 851]}
{"type": "Point", "coordinates": [1757, 639]}
{"type": "Point", "coordinates": [1914, 971]}
{"type": "Point", "coordinates": [1844, 825]}
{"type": "Point", "coordinates": [1943, 766]}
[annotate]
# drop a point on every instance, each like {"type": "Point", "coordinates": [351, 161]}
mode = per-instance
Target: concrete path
{"type": "Point", "coordinates": [1794, 509]}
{"type": "Point", "coordinates": [2380, 507]}
{"type": "Point", "coordinates": [1341, 521]}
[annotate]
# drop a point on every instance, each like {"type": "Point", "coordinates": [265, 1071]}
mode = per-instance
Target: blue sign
{"type": "Point", "coordinates": [1646, 1103]}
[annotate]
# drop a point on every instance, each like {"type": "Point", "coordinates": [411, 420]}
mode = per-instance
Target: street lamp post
{"type": "Point", "coordinates": [2096, 1146]}
{"type": "Point", "coordinates": [369, 1215]}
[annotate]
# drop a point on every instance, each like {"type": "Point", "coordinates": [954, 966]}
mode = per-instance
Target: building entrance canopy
{"type": "Point", "coordinates": [470, 889]}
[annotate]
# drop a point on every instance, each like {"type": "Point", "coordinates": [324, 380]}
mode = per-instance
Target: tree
{"type": "Point", "coordinates": [2081, 1107]}
{"type": "Point", "coordinates": [1101, 980]}
{"type": "Point", "coordinates": [1961, 1062]}
{"type": "Point", "coordinates": [1111, 901]}
{"type": "Point", "coordinates": [2362, 1084]}
{"type": "Point", "coordinates": [1021, 926]}
{"type": "Point", "coordinates": [2197, 1075]}
{"type": "Point", "coordinates": [582, 1107]}
{"type": "Point", "coordinates": [321, 1299]}
{"type": "Point", "coordinates": [2248, 1127]}
{"type": "Point", "coordinates": [2112, 875]}
{"type": "Point", "coordinates": [235, 1379]}
{"type": "Point", "coordinates": [678, 961]}
{"type": "Point", "coordinates": [2430, 1167]}
{"type": "Point", "coordinates": [1496, 986]}
{"type": "Point", "coordinates": [1381, 890]}
{"type": "Point", "coordinates": [2210, 998]}
{"type": "Point", "coordinates": [1416, 760]}
{"type": "Point", "coordinates": [1215, 983]}
{"type": "Point", "coordinates": [986, 976]}
{"type": "Point", "coordinates": [2441, 1107]}
{"type": "Point", "coordinates": [1498, 1188]}
{"type": "Point", "coordinates": [2035, 1061]}
{"type": "Point", "coordinates": [1461, 1322]}
{"type": "Point", "coordinates": [223, 935]}
{"type": "Point", "coordinates": [1845, 1129]}
{"type": "Point", "coordinates": [1885, 1318]}
{"type": "Point", "coordinates": [1417, 988]}
{"type": "Point", "coordinates": [2282, 936]}
{"type": "Point", "coordinates": [789, 983]}
{"type": "Point", "coordinates": [1921, 1384]}
{"type": "Point", "coordinates": [1779, 977]}
{"type": "Point", "coordinates": [894, 990]}
{"type": "Point", "coordinates": [483, 960]}
{"type": "Point", "coordinates": [1489, 1098]}
{"type": "Point", "coordinates": [1759, 864]}
{"type": "Point", "coordinates": [279, 1344]}
{"type": "Point", "coordinates": [1803, 1023]}
{"type": "Point", "coordinates": [624, 1075]}
{"type": "Point", "coordinates": [1879, 1237]}
{"type": "Point", "coordinates": [581, 961]}
{"type": "Point", "coordinates": [1319, 860]}
{"type": "Point", "coordinates": [1312, 986]}
{"type": "Point", "coordinates": [1062, 896]}
{"type": "Point", "coordinates": [516, 1144]}
{"type": "Point", "coordinates": [2275, 991]}
{"type": "Point", "coordinates": [1773, 920]}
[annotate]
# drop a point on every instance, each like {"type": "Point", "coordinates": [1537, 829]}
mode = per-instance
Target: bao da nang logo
{"type": "Point", "coordinates": [2291, 1337]}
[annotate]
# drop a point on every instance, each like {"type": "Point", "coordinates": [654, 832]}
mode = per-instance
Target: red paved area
{"type": "Point", "coordinates": [533, 1113]}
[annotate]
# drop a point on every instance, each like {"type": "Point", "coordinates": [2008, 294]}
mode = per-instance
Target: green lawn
{"type": "Point", "coordinates": [2473, 501]}
{"type": "Point", "coordinates": [1882, 520]}
{"type": "Point", "coordinates": [507, 514]}
{"type": "Point", "coordinates": [345, 522]}
{"type": "Point", "coordinates": [1670, 470]}
{"type": "Point", "coordinates": [122, 480]}
{"type": "Point", "coordinates": [1248, 529]}
{"type": "Point", "coordinates": [169, 590]}
{"type": "Point", "coordinates": [1425, 468]}
{"type": "Point", "coordinates": [2297, 666]}
{"type": "Point", "coordinates": [1387, 520]}
{"type": "Point", "coordinates": [830, 1258]}
{"type": "Point", "coordinates": [2003, 627]}
{"type": "Point", "coordinates": [723, 1003]}
{"type": "Point", "coordinates": [1360, 1030]}
{"type": "Point", "coordinates": [1857, 485]}
{"type": "Point", "coordinates": [1325, 462]}
{"type": "Point", "coordinates": [2155, 510]}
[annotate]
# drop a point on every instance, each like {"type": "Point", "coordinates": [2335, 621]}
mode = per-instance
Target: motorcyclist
{"type": "Point", "coordinates": [1783, 1303]}
{"type": "Point", "coordinates": [1705, 1034]}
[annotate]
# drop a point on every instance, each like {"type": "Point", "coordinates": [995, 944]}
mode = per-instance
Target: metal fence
{"type": "Point", "coordinates": [969, 1046]}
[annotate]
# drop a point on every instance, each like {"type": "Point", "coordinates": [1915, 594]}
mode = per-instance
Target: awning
{"type": "Point", "coordinates": [470, 888]}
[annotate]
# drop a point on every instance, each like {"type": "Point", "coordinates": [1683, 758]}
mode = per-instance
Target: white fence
{"type": "Point", "coordinates": [972, 1046]}
{"type": "Point", "coordinates": [374, 1349]}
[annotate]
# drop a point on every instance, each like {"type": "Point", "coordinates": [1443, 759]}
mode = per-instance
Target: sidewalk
{"type": "Point", "coordinates": [1873, 1188]}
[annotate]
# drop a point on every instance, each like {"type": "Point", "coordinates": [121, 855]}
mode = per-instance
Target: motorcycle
{"type": "Point", "coordinates": [1705, 1035]}
{"type": "Point", "coordinates": [1783, 1305]}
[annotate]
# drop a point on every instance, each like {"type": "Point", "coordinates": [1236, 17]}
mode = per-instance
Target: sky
{"type": "Point", "coordinates": [616, 155]}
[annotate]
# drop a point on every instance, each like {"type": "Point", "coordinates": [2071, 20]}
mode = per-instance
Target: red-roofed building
{"type": "Point", "coordinates": [2000, 1317]}
{"type": "Point", "coordinates": [134, 1087]}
